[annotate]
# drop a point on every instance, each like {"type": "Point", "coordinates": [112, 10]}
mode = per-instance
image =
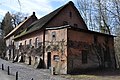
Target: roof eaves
{"type": "Point", "coordinates": [16, 28]}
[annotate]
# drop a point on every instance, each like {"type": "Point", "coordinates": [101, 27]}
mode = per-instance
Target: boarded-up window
{"type": "Point", "coordinates": [84, 57]}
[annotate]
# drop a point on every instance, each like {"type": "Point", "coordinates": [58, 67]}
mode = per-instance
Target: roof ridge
{"type": "Point", "coordinates": [53, 12]}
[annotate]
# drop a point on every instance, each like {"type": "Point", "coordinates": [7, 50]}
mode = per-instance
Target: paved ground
{"type": "Point", "coordinates": [4, 76]}
{"type": "Point", "coordinates": [25, 72]}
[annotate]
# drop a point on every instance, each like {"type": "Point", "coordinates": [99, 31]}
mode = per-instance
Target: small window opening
{"type": "Point", "coordinates": [70, 14]}
{"type": "Point", "coordinates": [53, 34]}
{"type": "Point", "coordinates": [36, 42]}
{"type": "Point", "coordinates": [95, 39]}
{"type": "Point", "coordinates": [30, 42]}
{"type": "Point", "coordinates": [25, 43]}
{"type": "Point", "coordinates": [75, 25]}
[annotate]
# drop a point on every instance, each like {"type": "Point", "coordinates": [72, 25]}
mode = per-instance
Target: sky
{"type": "Point", "coordinates": [40, 7]}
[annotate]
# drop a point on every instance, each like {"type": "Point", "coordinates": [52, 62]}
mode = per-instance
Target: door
{"type": "Point", "coordinates": [48, 60]}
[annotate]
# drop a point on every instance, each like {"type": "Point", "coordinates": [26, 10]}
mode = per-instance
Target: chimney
{"type": "Point", "coordinates": [25, 18]}
{"type": "Point", "coordinates": [34, 13]}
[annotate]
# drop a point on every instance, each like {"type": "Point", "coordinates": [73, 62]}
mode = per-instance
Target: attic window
{"type": "Point", "coordinates": [65, 23]}
{"type": "Point", "coordinates": [70, 14]}
{"type": "Point", "coordinates": [75, 25]}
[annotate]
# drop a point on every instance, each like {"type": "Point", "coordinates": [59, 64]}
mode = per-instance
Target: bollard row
{"type": "Point", "coordinates": [8, 71]}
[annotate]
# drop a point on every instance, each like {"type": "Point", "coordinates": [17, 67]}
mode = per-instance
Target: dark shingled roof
{"type": "Point", "coordinates": [41, 23]}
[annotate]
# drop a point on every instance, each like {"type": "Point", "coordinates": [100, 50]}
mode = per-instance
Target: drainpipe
{"type": "Point", "coordinates": [13, 52]}
{"type": "Point", "coordinates": [43, 48]}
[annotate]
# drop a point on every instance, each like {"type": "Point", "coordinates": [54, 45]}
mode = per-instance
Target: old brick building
{"type": "Point", "coordinates": [62, 40]}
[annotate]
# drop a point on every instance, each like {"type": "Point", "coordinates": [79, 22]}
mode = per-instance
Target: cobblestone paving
{"type": "Point", "coordinates": [4, 76]}
{"type": "Point", "coordinates": [26, 72]}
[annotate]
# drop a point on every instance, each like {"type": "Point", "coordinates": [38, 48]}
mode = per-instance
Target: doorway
{"type": "Point", "coordinates": [29, 60]}
{"type": "Point", "coordinates": [48, 60]}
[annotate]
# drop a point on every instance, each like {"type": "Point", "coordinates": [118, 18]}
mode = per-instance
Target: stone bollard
{"type": "Point", "coordinates": [2, 66]}
{"type": "Point", "coordinates": [8, 70]}
{"type": "Point", "coordinates": [17, 75]}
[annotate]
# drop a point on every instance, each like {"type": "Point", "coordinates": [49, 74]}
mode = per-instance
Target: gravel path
{"type": "Point", "coordinates": [26, 72]}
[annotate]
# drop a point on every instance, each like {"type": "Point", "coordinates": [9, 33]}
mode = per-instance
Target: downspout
{"type": "Point", "coordinates": [13, 52]}
{"type": "Point", "coordinates": [43, 48]}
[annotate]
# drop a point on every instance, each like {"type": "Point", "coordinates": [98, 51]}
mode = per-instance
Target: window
{"type": "Point", "coordinates": [95, 39]}
{"type": "Point", "coordinates": [65, 23]}
{"type": "Point", "coordinates": [106, 40]}
{"type": "Point", "coordinates": [75, 25]}
{"type": "Point", "coordinates": [53, 35]}
{"type": "Point", "coordinates": [30, 42]}
{"type": "Point", "coordinates": [36, 42]}
{"type": "Point", "coordinates": [25, 43]}
{"type": "Point", "coordinates": [84, 57]}
{"type": "Point", "coordinates": [70, 14]}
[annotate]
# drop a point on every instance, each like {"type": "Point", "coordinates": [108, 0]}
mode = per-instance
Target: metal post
{"type": "Point", "coordinates": [17, 75]}
{"type": "Point", "coordinates": [32, 79]}
{"type": "Point", "coordinates": [2, 66]}
{"type": "Point", "coordinates": [8, 70]}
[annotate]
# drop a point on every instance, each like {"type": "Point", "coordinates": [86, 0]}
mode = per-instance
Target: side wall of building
{"type": "Point", "coordinates": [31, 47]}
{"type": "Point", "coordinates": [89, 50]}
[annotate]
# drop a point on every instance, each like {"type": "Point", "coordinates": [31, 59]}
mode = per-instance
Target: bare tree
{"type": "Point", "coordinates": [17, 18]}
{"type": "Point", "coordinates": [100, 15]}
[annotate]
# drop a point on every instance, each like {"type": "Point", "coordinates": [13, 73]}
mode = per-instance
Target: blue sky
{"type": "Point", "coordinates": [41, 7]}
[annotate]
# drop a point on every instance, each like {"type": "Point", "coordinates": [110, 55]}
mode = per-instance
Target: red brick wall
{"type": "Point", "coordinates": [60, 43]}
{"type": "Point", "coordinates": [83, 41]}
{"type": "Point", "coordinates": [64, 15]}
